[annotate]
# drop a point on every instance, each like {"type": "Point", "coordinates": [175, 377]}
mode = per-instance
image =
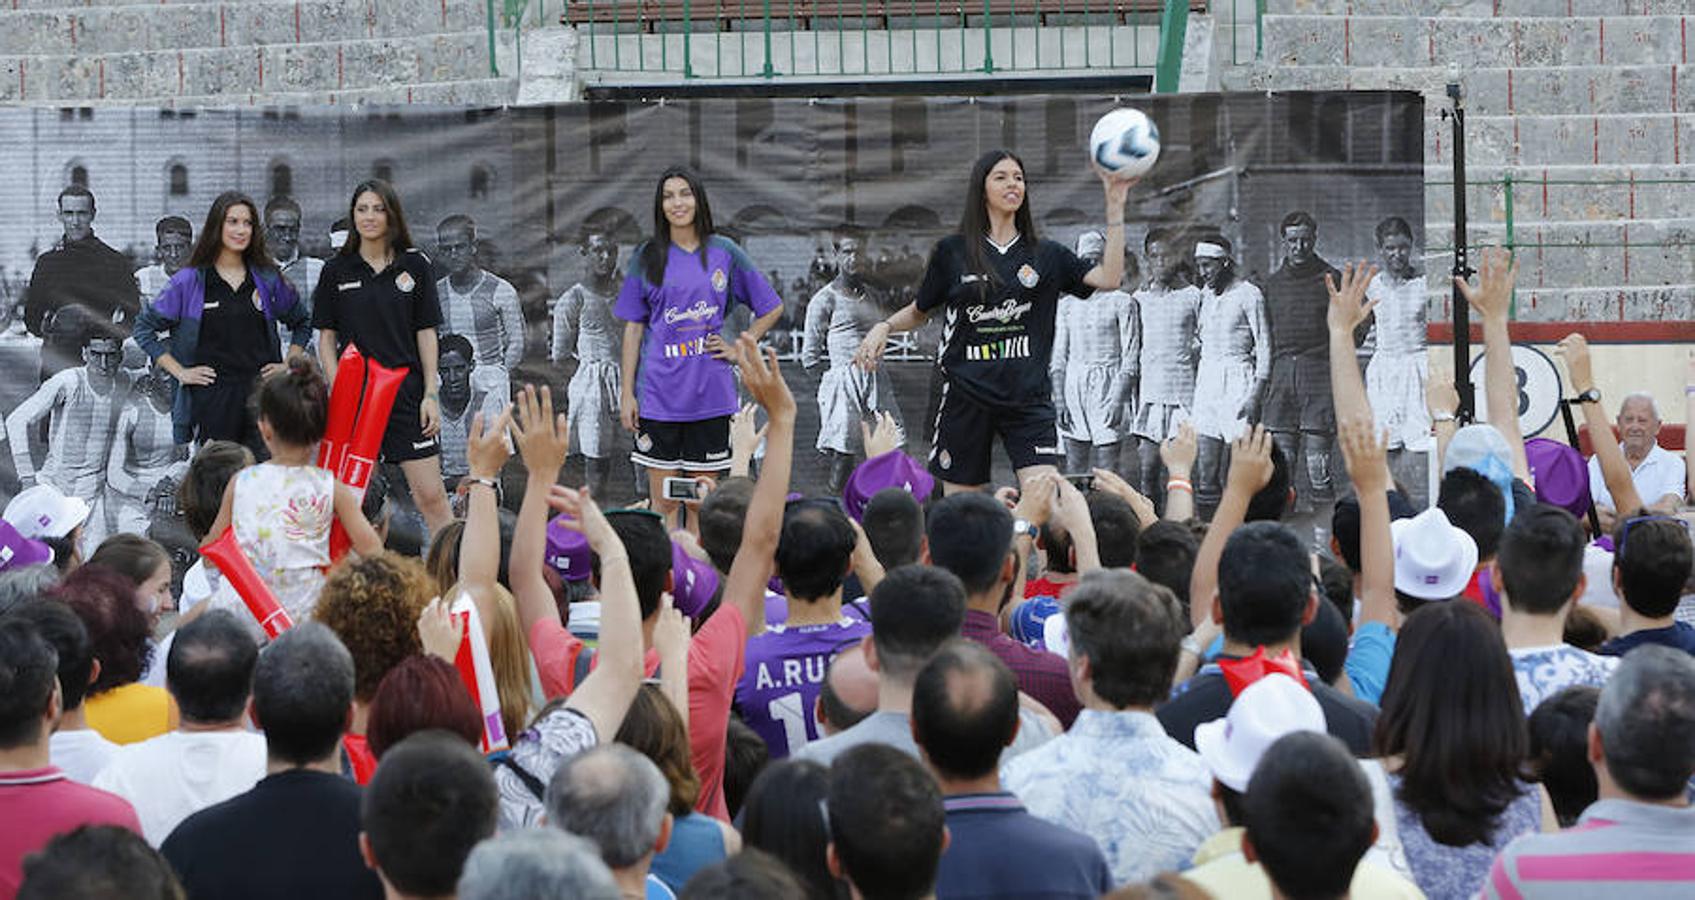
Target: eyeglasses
{"type": "Point", "coordinates": [1624, 532]}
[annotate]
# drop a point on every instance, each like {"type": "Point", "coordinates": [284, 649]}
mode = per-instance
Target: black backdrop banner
{"type": "Point", "coordinates": [551, 189]}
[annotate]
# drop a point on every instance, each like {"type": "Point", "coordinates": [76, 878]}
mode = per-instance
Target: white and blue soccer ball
{"type": "Point", "coordinates": [1124, 143]}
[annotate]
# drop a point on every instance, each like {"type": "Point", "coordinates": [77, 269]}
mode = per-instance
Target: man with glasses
{"type": "Point", "coordinates": [82, 406]}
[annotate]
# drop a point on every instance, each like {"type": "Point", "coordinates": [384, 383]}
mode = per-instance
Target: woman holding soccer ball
{"type": "Point", "coordinates": [998, 288]}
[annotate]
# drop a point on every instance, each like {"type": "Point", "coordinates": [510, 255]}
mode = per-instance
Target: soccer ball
{"type": "Point", "coordinates": [1124, 143]}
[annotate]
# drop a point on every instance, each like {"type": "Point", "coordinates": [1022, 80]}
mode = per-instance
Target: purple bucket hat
{"type": "Point", "coordinates": [567, 550]}
{"type": "Point", "coordinates": [17, 551]}
{"type": "Point", "coordinates": [1560, 475]}
{"type": "Point", "coordinates": [893, 469]}
{"type": "Point", "coordinates": [693, 582]}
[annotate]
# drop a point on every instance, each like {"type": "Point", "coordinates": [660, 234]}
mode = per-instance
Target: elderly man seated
{"type": "Point", "coordinates": [1658, 473]}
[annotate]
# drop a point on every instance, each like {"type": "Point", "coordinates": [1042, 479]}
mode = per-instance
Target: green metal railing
{"type": "Point", "coordinates": [773, 39]}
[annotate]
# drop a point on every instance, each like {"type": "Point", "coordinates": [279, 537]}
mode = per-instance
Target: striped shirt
{"type": "Point", "coordinates": [1619, 848]}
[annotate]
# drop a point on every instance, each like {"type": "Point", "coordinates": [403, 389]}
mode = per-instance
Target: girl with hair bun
{"type": "Point", "coordinates": [221, 311]}
{"type": "Point", "coordinates": [282, 509]}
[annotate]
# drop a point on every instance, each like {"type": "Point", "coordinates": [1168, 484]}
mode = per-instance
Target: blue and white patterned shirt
{"type": "Point", "coordinates": [1543, 672]}
{"type": "Point", "coordinates": [1117, 777]}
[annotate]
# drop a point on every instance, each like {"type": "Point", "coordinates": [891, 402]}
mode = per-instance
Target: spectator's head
{"type": "Point", "coordinates": [419, 694]}
{"type": "Point", "coordinates": [117, 628]}
{"type": "Point", "coordinates": [1308, 816]}
{"type": "Point", "coordinates": [1271, 502]}
{"type": "Point", "coordinates": [849, 692]}
{"type": "Point", "coordinates": [536, 862]}
{"type": "Point", "coordinates": [814, 549]}
{"type": "Point", "coordinates": [1540, 565]}
{"type": "Point", "coordinates": [26, 584]}
{"type": "Point", "coordinates": [1165, 555]}
{"type": "Point", "coordinates": [303, 695]}
{"type": "Point", "coordinates": [1337, 585]}
{"type": "Point", "coordinates": [442, 560]}
{"type": "Point", "coordinates": [294, 404]}
{"type": "Point", "coordinates": [1639, 426]}
{"type": "Point", "coordinates": [649, 549]}
{"type": "Point", "coordinates": [721, 516]}
{"type": "Point", "coordinates": [210, 668]}
{"type": "Point", "coordinates": [1116, 529]}
{"type": "Point", "coordinates": [201, 493]}
{"type": "Point", "coordinates": [64, 632]}
{"type": "Point", "coordinates": [1451, 711]}
{"type": "Point", "coordinates": [1643, 741]}
{"type": "Point", "coordinates": [894, 526]}
{"type": "Point", "coordinates": [1434, 560]}
{"type": "Point", "coordinates": [146, 564]}
{"type": "Point", "coordinates": [29, 685]}
{"type": "Point", "coordinates": [616, 798]}
{"type": "Point", "coordinates": [783, 816]}
{"type": "Point", "coordinates": [964, 711]}
{"type": "Point", "coordinates": [372, 603]}
{"type": "Point", "coordinates": [431, 800]}
{"type": "Point", "coordinates": [970, 535]}
{"type": "Point", "coordinates": [1232, 746]}
{"type": "Point", "coordinates": [1559, 750]}
{"type": "Point", "coordinates": [655, 729]}
{"type": "Point", "coordinates": [1476, 506]}
{"type": "Point", "coordinates": [1651, 563]}
{"type": "Point", "coordinates": [1265, 587]}
{"type": "Point", "coordinates": [745, 757]}
{"type": "Point", "coordinates": [914, 610]}
{"type": "Point", "coordinates": [1345, 526]}
{"type": "Point", "coordinates": [749, 875]}
{"type": "Point", "coordinates": [887, 827]}
{"type": "Point", "coordinates": [1125, 634]}
{"type": "Point", "coordinates": [1324, 641]}
{"type": "Point", "coordinates": [43, 513]}
{"type": "Point", "coordinates": [98, 862]}
{"type": "Point", "coordinates": [1057, 550]}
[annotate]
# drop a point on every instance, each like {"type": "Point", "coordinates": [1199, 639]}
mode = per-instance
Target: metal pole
{"type": "Point", "coordinates": [1462, 313]}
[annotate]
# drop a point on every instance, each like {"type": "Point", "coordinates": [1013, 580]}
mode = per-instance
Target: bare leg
{"type": "Point", "coordinates": [423, 478]}
{"type": "Point", "coordinates": [656, 495]}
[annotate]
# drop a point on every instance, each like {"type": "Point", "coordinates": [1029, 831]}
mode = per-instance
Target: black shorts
{"type": "Point", "coordinates": [404, 439]}
{"type": "Point", "coordinates": [965, 432]}
{"type": "Point", "coordinates": [699, 446]}
{"type": "Point", "coordinates": [1297, 396]}
{"type": "Point", "coordinates": [227, 410]}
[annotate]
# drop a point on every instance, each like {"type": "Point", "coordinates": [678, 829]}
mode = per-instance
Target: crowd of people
{"type": "Point", "coordinates": [927, 685]}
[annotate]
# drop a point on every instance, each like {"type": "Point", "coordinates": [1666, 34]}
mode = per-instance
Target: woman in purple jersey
{"type": "Point", "coordinates": [998, 288]}
{"type": "Point", "coordinates": [678, 390]}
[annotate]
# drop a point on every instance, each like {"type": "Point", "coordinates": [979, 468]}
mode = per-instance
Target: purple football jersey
{"type": "Point", "coordinates": [784, 675]}
{"type": "Point", "coordinates": [679, 381]}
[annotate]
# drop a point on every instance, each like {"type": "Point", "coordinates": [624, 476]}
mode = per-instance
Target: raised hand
{"type": "Point", "coordinates": [1574, 349]}
{"type": "Point", "coordinates": [763, 379]}
{"type": "Point", "coordinates": [544, 439]}
{"type": "Point", "coordinates": [1348, 306]}
{"type": "Point", "coordinates": [885, 437]}
{"type": "Point", "coordinates": [1250, 462]}
{"type": "Point", "coordinates": [1178, 451]}
{"type": "Point", "coordinates": [1496, 274]}
{"type": "Point", "coordinates": [485, 447]}
{"type": "Point", "coordinates": [1110, 482]}
{"type": "Point", "coordinates": [584, 515]}
{"type": "Point", "coordinates": [1365, 450]}
{"type": "Point", "coordinates": [440, 631]}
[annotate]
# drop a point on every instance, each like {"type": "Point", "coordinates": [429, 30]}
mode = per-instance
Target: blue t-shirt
{"type": "Point", "coordinates": [679, 381]}
{"type": "Point", "coordinates": [1000, 850]}
{"type": "Point", "coordinates": [1678, 636]}
{"type": "Point", "coordinates": [1368, 661]}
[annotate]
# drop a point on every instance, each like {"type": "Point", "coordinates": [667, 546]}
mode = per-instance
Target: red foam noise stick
{"type": "Point", "coordinates": [226, 554]}
{"type": "Point", "coordinates": [344, 408]}
{"type": "Point", "coordinates": [381, 386]}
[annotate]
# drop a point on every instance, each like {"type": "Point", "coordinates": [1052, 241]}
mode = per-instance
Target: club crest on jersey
{"type": "Point", "coordinates": [643, 442]}
{"type": "Point", "coordinates": [405, 282]}
{"type": "Point", "coordinates": [1027, 276]}
{"type": "Point", "coordinates": [946, 459]}
{"type": "Point", "coordinates": [719, 280]}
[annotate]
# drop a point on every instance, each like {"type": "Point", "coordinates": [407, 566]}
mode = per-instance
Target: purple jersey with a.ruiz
{"type": "Point", "coordinates": [784, 675]}
{"type": "Point", "coordinates": [679, 380]}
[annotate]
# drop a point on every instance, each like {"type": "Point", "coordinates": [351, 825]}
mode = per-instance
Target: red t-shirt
{"type": "Point", "coordinates": [717, 656]}
{"type": "Point", "coordinates": [1042, 587]}
{"type": "Point", "coordinates": [37, 804]}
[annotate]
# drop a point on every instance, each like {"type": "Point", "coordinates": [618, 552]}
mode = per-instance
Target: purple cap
{"type": "Point", "coordinates": [17, 551]}
{"type": "Point", "coordinates": [1560, 475]}
{"type": "Point", "coordinates": [567, 550]}
{"type": "Point", "coordinates": [893, 469]}
{"type": "Point", "coordinates": [693, 581]}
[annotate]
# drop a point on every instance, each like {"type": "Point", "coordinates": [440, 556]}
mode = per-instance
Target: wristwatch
{"type": "Point", "coordinates": [1026, 528]}
{"type": "Point", "coordinates": [1592, 395]}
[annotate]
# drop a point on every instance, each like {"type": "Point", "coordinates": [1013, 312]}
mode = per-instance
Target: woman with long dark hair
{"type": "Point", "coordinates": [998, 288]}
{"type": "Point", "coordinates": [221, 311]}
{"type": "Point", "coordinates": [676, 296]}
{"type": "Point", "coordinates": [378, 294]}
{"type": "Point", "coordinates": [1451, 740]}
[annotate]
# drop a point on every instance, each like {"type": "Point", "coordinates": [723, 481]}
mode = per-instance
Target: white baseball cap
{"type": "Point", "coordinates": [43, 512]}
{"type": "Point", "coordinates": [1266, 710]}
{"type": "Point", "coordinates": [1433, 559]}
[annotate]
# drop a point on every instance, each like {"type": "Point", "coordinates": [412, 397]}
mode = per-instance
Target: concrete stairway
{"type": "Point", "coordinates": [128, 52]}
{"type": "Point", "coordinates": [1587, 105]}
